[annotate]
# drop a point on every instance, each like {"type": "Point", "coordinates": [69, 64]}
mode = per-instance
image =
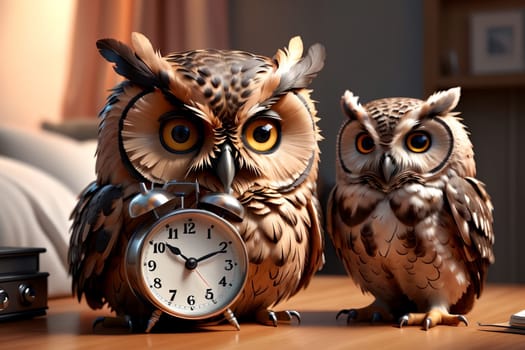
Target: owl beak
{"type": "Point", "coordinates": [226, 168]}
{"type": "Point", "coordinates": [389, 167]}
{"type": "Point", "coordinates": [224, 203]}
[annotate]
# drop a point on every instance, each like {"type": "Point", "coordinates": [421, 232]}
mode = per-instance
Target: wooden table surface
{"type": "Point", "coordinates": [67, 325]}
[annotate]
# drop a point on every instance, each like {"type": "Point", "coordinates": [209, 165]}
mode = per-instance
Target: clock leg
{"type": "Point", "coordinates": [153, 320]}
{"type": "Point", "coordinates": [232, 319]}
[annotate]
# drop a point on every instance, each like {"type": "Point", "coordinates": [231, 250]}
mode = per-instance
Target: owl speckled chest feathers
{"type": "Point", "coordinates": [186, 117]}
{"type": "Point", "coordinates": [408, 218]}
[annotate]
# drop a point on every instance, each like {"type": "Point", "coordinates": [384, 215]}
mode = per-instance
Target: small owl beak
{"type": "Point", "coordinates": [226, 168]}
{"type": "Point", "coordinates": [389, 167]}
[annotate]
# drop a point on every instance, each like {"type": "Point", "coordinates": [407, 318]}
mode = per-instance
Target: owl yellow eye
{"type": "Point", "coordinates": [364, 143]}
{"type": "Point", "coordinates": [418, 141]}
{"type": "Point", "coordinates": [180, 135]}
{"type": "Point", "coordinates": [262, 134]}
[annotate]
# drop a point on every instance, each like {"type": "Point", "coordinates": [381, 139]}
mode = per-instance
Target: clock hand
{"type": "Point", "coordinates": [190, 263]}
{"type": "Point", "coordinates": [202, 278]}
{"type": "Point", "coordinates": [209, 255]}
{"type": "Point", "coordinates": [176, 251]}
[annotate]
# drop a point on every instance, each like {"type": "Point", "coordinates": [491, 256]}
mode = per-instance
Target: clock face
{"type": "Point", "coordinates": [191, 264]}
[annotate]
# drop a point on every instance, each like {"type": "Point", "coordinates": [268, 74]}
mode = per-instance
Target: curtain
{"type": "Point", "coordinates": [171, 25]}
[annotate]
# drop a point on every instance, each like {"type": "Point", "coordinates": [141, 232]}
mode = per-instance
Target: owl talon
{"type": "Point", "coordinates": [373, 313]}
{"type": "Point", "coordinates": [342, 312]}
{"type": "Point", "coordinates": [273, 318]}
{"type": "Point", "coordinates": [98, 321]}
{"type": "Point", "coordinates": [286, 316]}
{"type": "Point", "coordinates": [376, 317]}
{"type": "Point", "coordinates": [463, 319]}
{"type": "Point", "coordinates": [122, 324]}
{"type": "Point", "coordinates": [294, 314]}
{"type": "Point", "coordinates": [431, 319]}
{"type": "Point", "coordinates": [427, 323]}
{"type": "Point", "coordinates": [403, 321]}
{"type": "Point", "coordinates": [351, 315]}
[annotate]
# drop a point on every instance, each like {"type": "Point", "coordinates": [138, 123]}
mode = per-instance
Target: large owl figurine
{"type": "Point", "coordinates": [408, 218]}
{"type": "Point", "coordinates": [174, 118]}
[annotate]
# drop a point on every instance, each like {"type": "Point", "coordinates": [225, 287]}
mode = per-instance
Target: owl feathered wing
{"type": "Point", "coordinates": [97, 220]}
{"type": "Point", "coordinates": [336, 205]}
{"type": "Point", "coordinates": [329, 221]}
{"type": "Point", "coordinates": [472, 211]}
{"type": "Point", "coordinates": [316, 255]}
{"type": "Point", "coordinates": [276, 235]}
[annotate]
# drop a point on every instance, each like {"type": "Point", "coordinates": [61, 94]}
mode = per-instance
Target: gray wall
{"type": "Point", "coordinates": [375, 49]}
{"type": "Point", "coordinates": [496, 120]}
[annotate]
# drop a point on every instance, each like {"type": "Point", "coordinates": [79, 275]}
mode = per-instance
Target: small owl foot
{"type": "Point", "coordinates": [113, 325]}
{"type": "Point", "coordinates": [431, 319]}
{"type": "Point", "coordinates": [371, 313]}
{"type": "Point", "coordinates": [272, 318]}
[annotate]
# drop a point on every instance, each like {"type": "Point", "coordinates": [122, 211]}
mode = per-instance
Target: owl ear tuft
{"type": "Point", "coordinates": [442, 102]}
{"type": "Point", "coordinates": [144, 50]}
{"type": "Point", "coordinates": [296, 72]}
{"type": "Point", "coordinates": [146, 71]}
{"type": "Point", "coordinates": [352, 108]}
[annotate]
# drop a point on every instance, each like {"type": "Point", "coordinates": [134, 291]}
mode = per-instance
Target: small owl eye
{"type": "Point", "coordinates": [262, 134]}
{"type": "Point", "coordinates": [418, 141]}
{"type": "Point", "coordinates": [180, 135]}
{"type": "Point", "coordinates": [364, 143]}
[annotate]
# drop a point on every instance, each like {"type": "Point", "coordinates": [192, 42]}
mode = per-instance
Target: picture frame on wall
{"type": "Point", "coordinates": [496, 42]}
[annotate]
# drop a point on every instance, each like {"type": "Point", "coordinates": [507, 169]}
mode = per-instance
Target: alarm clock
{"type": "Point", "coordinates": [189, 263]}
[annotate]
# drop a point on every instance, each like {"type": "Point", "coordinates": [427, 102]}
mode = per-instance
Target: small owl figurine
{"type": "Point", "coordinates": [408, 218]}
{"type": "Point", "coordinates": [175, 118]}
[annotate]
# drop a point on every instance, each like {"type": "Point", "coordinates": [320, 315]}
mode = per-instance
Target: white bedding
{"type": "Point", "coordinates": [41, 175]}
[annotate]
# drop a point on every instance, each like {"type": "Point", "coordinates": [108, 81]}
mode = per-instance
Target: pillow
{"type": "Point", "coordinates": [70, 161]}
{"type": "Point", "coordinates": [34, 212]}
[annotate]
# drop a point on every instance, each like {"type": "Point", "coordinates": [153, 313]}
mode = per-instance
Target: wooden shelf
{"type": "Point", "coordinates": [447, 31]}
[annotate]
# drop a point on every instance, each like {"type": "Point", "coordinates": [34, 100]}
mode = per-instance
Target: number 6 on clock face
{"type": "Point", "coordinates": [191, 264]}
